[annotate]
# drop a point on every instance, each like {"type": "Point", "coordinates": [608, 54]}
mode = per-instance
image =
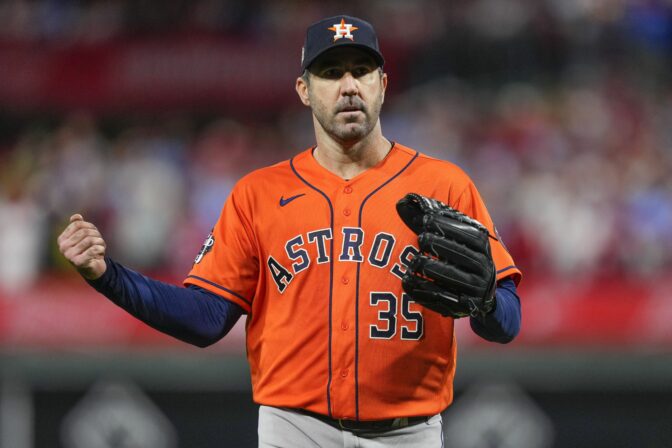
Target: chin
{"type": "Point", "coordinates": [354, 129]}
{"type": "Point", "coordinates": [352, 135]}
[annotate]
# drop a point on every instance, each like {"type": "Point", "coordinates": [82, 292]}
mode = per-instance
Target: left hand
{"type": "Point", "coordinates": [454, 274]}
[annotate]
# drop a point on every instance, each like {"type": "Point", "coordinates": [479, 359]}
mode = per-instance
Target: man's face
{"type": "Point", "coordinates": [345, 92]}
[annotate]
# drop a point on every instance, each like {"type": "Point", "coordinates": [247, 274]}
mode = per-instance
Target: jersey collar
{"type": "Point", "coordinates": [308, 167]}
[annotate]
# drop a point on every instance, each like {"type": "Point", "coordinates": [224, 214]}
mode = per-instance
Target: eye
{"type": "Point", "coordinates": [362, 70]}
{"type": "Point", "coordinates": [331, 73]}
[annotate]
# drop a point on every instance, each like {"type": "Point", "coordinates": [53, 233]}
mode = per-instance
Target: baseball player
{"type": "Point", "coordinates": [351, 261]}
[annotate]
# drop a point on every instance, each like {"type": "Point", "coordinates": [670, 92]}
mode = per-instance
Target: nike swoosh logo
{"type": "Point", "coordinates": [284, 201]}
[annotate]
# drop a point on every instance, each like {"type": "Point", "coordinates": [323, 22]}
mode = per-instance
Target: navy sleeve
{"type": "Point", "coordinates": [193, 314]}
{"type": "Point", "coordinates": [503, 324]}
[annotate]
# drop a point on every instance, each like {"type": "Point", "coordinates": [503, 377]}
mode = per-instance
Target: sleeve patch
{"type": "Point", "coordinates": [207, 247]}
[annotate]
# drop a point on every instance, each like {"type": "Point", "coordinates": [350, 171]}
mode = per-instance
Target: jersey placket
{"type": "Point", "coordinates": [350, 251]}
{"type": "Point", "coordinates": [348, 242]}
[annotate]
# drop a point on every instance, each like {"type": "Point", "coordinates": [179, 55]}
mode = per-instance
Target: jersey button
{"type": "Point", "coordinates": [344, 373]}
{"type": "Point", "coordinates": [344, 326]}
{"type": "Point", "coordinates": [347, 212]}
{"type": "Point", "coordinates": [345, 280]}
{"type": "Point", "coordinates": [347, 189]}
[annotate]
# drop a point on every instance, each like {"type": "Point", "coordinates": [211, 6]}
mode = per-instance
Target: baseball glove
{"type": "Point", "coordinates": [454, 274]}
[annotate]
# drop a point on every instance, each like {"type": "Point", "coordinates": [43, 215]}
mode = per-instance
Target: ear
{"type": "Point", "coordinates": [383, 80]}
{"type": "Point", "coordinates": [302, 90]}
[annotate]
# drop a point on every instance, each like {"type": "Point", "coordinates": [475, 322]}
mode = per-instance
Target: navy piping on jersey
{"type": "Point", "coordinates": [221, 287]}
{"type": "Point", "coordinates": [506, 269]}
{"type": "Point", "coordinates": [331, 270]}
{"type": "Point", "coordinates": [359, 224]}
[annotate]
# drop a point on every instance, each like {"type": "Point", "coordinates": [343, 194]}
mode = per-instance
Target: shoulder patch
{"type": "Point", "coordinates": [207, 246]}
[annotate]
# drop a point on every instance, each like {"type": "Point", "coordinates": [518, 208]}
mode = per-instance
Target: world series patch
{"type": "Point", "coordinates": [207, 246]}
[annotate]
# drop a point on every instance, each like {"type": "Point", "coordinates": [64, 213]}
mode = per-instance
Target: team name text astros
{"type": "Point", "coordinates": [379, 255]}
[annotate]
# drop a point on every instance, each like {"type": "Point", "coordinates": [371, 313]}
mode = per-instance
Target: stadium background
{"type": "Point", "coordinates": [143, 114]}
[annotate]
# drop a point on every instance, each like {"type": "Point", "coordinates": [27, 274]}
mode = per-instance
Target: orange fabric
{"type": "Point", "coordinates": [315, 261]}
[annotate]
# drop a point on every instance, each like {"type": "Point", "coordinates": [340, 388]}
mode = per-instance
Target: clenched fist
{"type": "Point", "coordinates": [82, 245]}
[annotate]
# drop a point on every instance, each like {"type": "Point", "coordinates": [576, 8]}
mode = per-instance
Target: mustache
{"type": "Point", "coordinates": [351, 104]}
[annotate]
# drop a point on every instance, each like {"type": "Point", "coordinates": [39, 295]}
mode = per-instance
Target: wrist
{"type": "Point", "coordinates": [93, 274]}
{"type": "Point", "coordinates": [103, 274]}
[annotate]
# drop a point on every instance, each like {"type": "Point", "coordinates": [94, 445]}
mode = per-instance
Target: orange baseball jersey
{"type": "Point", "coordinates": [316, 261]}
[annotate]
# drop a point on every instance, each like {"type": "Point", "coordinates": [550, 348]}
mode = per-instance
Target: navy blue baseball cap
{"type": "Point", "coordinates": [339, 31]}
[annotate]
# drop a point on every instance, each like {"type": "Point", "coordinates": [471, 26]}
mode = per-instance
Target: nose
{"type": "Point", "coordinates": [349, 85]}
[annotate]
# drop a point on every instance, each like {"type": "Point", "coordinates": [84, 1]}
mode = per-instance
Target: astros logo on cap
{"type": "Point", "coordinates": [342, 30]}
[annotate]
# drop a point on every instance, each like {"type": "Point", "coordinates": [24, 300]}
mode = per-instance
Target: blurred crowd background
{"type": "Point", "coordinates": [560, 111]}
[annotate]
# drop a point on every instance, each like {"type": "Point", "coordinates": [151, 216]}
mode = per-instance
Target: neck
{"type": "Point", "coordinates": [348, 159]}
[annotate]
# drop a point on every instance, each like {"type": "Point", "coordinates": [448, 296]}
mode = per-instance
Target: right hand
{"type": "Point", "coordinates": [84, 247]}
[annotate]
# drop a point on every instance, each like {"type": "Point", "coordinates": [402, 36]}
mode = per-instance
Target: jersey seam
{"type": "Point", "coordinates": [459, 198]}
{"type": "Point", "coordinates": [235, 294]}
{"type": "Point", "coordinates": [507, 268]}
{"type": "Point", "coordinates": [361, 211]}
{"type": "Point", "coordinates": [331, 275]}
{"type": "Point", "coordinates": [250, 235]}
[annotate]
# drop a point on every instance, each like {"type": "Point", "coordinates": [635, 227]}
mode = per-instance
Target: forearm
{"type": "Point", "coordinates": [503, 324]}
{"type": "Point", "coordinates": [192, 314]}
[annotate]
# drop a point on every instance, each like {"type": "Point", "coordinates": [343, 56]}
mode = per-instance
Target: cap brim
{"type": "Point", "coordinates": [376, 55]}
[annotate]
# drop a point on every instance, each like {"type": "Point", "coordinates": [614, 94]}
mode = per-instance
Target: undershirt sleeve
{"type": "Point", "coordinates": [191, 314]}
{"type": "Point", "coordinates": [503, 324]}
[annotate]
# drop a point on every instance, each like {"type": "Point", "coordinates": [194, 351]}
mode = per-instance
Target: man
{"type": "Point", "coordinates": [314, 251]}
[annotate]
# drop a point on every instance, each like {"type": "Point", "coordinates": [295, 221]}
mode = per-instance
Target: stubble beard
{"type": "Point", "coordinates": [347, 130]}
